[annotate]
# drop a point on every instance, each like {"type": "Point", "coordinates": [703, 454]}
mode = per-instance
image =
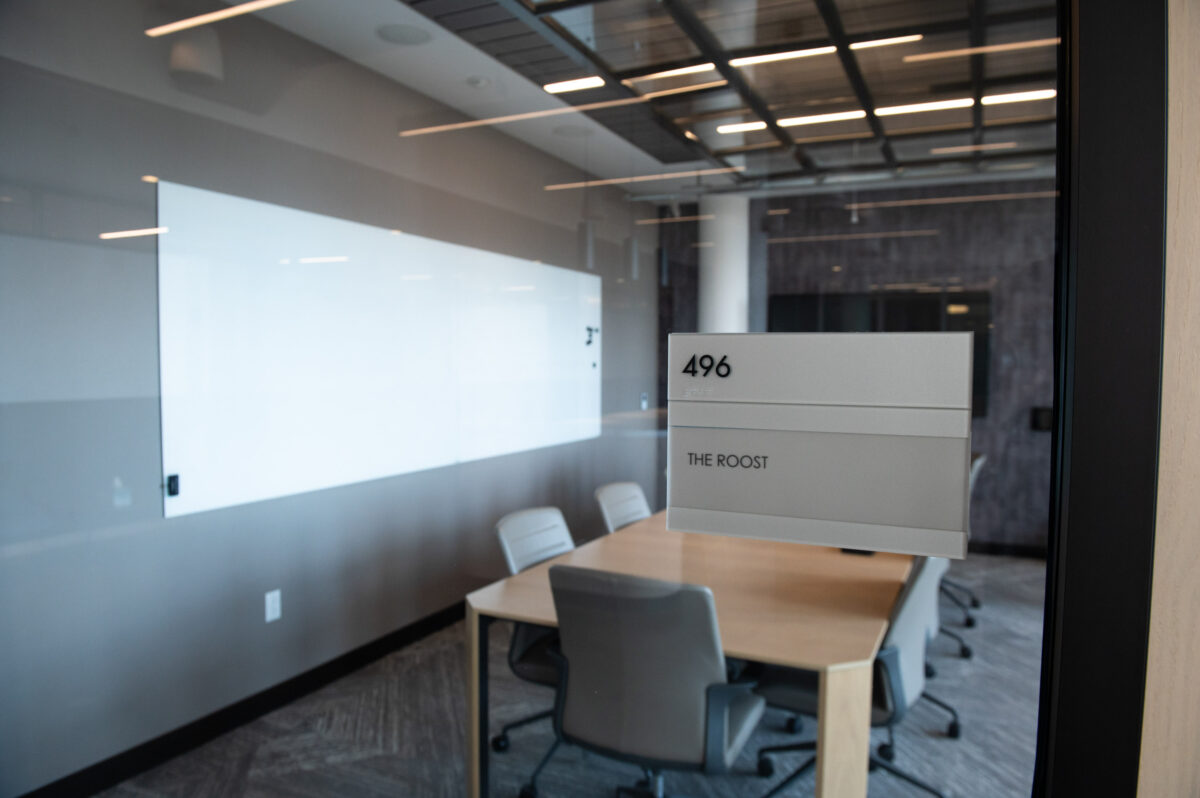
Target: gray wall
{"type": "Point", "coordinates": [1005, 247]}
{"type": "Point", "coordinates": [117, 626]}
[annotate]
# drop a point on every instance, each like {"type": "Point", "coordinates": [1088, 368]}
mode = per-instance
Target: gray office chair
{"type": "Point", "coordinates": [644, 677]}
{"type": "Point", "coordinates": [971, 601]}
{"type": "Point", "coordinates": [621, 504]}
{"type": "Point", "coordinates": [940, 566]}
{"type": "Point", "coordinates": [528, 537]}
{"type": "Point", "coordinates": [898, 682]}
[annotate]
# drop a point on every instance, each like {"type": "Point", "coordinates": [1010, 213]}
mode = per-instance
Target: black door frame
{"type": "Point", "coordinates": [1108, 353]}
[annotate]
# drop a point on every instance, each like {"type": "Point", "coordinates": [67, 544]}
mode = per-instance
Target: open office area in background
{"type": "Point", "coordinates": [362, 279]}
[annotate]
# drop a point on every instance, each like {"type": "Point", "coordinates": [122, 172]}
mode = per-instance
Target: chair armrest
{"type": "Point", "coordinates": [716, 726]}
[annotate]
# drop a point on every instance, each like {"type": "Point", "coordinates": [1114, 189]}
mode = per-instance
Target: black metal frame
{"type": "Point", "coordinates": [1108, 350]}
{"type": "Point", "coordinates": [977, 21]}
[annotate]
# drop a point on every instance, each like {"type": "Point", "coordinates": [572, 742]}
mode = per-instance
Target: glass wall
{"type": "Point", "coordinates": [298, 299]}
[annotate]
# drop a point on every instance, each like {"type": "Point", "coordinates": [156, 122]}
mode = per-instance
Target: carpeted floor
{"type": "Point", "coordinates": [396, 727]}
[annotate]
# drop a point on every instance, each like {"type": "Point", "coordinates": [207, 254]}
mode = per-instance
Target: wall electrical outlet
{"type": "Point", "coordinates": [274, 605]}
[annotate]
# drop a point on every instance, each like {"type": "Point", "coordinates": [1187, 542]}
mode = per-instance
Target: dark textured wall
{"type": "Point", "coordinates": [1005, 247]}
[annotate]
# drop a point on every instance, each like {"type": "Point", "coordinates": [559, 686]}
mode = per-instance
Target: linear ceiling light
{"type": "Point", "coordinates": [750, 60]}
{"type": "Point", "coordinates": [566, 109]}
{"type": "Point", "coordinates": [1019, 97]}
{"type": "Point", "coordinates": [817, 119]}
{"type": "Point", "coordinates": [673, 73]}
{"type": "Point", "coordinates": [672, 219]}
{"type": "Point", "coordinates": [917, 108]}
{"type": "Point", "coordinates": [916, 37]}
{"type": "Point", "coordinates": [988, 48]}
{"type": "Point", "coordinates": [145, 231]}
{"type": "Point", "coordinates": [860, 206]}
{"type": "Point", "coordinates": [578, 84]}
{"type": "Point", "coordinates": [742, 127]}
{"type": "Point", "coordinates": [214, 16]}
{"type": "Point", "coordinates": [854, 236]}
{"type": "Point", "coordinates": [1002, 145]}
{"type": "Point", "coordinates": [613, 181]}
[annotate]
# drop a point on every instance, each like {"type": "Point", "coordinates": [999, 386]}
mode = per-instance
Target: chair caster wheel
{"type": "Point", "coordinates": [886, 752]}
{"type": "Point", "coordinates": [500, 743]}
{"type": "Point", "coordinates": [969, 622]}
{"type": "Point", "coordinates": [930, 671]}
{"type": "Point", "coordinates": [766, 768]}
{"type": "Point", "coordinates": [965, 652]}
{"type": "Point", "coordinates": [529, 791]}
{"type": "Point", "coordinates": [953, 731]}
{"type": "Point", "coordinates": [794, 724]}
{"type": "Point", "coordinates": [976, 603]}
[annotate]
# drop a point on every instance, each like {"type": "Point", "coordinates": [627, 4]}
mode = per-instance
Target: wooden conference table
{"type": "Point", "coordinates": [781, 603]}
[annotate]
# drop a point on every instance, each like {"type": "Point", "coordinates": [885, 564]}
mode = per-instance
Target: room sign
{"type": "Point", "coordinates": [858, 440]}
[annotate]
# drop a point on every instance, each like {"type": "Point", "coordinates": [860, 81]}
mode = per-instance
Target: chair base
{"type": "Point", "coordinates": [874, 762]}
{"type": "Point", "coordinates": [500, 741]}
{"type": "Point", "coordinates": [968, 618]}
{"type": "Point", "coordinates": [975, 602]}
{"type": "Point", "coordinates": [964, 650]}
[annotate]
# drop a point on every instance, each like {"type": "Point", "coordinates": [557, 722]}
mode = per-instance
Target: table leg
{"type": "Point", "coordinates": [844, 731]}
{"type": "Point", "coordinates": [477, 703]}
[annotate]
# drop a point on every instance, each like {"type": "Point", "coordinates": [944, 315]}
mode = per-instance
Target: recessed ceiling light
{"type": "Point", "coordinates": [916, 37]}
{"type": "Point", "coordinates": [578, 84]}
{"type": "Point", "coordinates": [145, 231]}
{"type": "Point", "coordinates": [952, 200]}
{"type": "Point", "coordinates": [149, 179]}
{"type": "Point", "coordinates": [788, 56]}
{"type": "Point", "coordinates": [614, 181]}
{"type": "Point", "coordinates": [673, 73]}
{"type": "Point", "coordinates": [1000, 145]}
{"type": "Point", "coordinates": [916, 108]}
{"type": "Point", "coordinates": [818, 119]}
{"type": "Point", "coordinates": [741, 127]}
{"type": "Point", "coordinates": [1019, 97]}
{"type": "Point", "coordinates": [988, 48]}
{"type": "Point", "coordinates": [404, 35]}
{"type": "Point", "coordinates": [214, 16]}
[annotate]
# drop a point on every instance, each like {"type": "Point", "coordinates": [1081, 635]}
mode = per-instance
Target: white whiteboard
{"type": "Point", "coordinates": [301, 352]}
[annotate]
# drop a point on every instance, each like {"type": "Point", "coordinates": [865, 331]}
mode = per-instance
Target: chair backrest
{"type": "Point", "coordinates": [907, 630]}
{"type": "Point", "coordinates": [933, 612]}
{"type": "Point", "coordinates": [622, 503]}
{"type": "Point", "coordinates": [640, 655]}
{"type": "Point", "coordinates": [976, 466]}
{"type": "Point", "coordinates": [529, 536]}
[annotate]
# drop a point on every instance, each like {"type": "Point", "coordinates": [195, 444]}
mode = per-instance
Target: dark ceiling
{"type": "Point", "coordinates": [684, 117]}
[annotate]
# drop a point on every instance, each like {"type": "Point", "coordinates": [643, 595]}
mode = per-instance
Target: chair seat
{"type": "Point", "coordinates": [744, 714]}
{"type": "Point", "coordinates": [798, 691]}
